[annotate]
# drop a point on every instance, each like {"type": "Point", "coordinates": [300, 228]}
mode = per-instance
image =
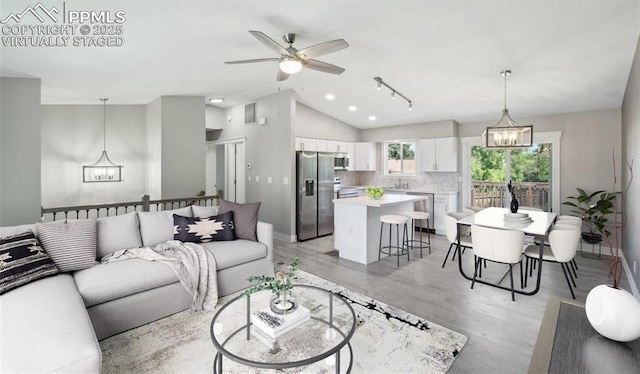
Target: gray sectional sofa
{"type": "Point", "coordinates": [54, 324]}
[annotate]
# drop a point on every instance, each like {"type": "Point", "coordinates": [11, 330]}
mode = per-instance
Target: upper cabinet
{"type": "Point", "coordinates": [351, 153]}
{"type": "Point", "coordinates": [322, 145]}
{"type": "Point", "coordinates": [306, 144]}
{"type": "Point", "coordinates": [364, 157]}
{"type": "Point", "coordinates": [439, 154]}
{"type": "Point", "coordinates": [337, 147]}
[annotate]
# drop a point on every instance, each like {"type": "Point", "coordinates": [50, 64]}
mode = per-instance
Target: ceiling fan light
{"type": "Point", "coordinates": [290, 65]}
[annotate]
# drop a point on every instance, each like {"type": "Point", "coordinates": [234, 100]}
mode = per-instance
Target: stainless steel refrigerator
{"type": "Point", "coordinates": [314, 194]}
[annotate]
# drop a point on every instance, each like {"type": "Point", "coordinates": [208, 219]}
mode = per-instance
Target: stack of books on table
{"type": "Point", "coordinates": [520, 218]}
{"type": "Point", "coordinates": [274, 325]}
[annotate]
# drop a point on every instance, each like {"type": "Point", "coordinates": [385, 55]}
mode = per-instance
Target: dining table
{"type": "Point", "coordinates": [539, 225]}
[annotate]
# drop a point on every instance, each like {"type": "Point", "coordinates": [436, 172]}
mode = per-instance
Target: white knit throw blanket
{"type": "Point", "coordinates": [194, 266]}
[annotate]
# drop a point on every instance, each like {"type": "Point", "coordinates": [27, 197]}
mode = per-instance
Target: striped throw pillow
{"type": "Point", "coordinates": [22, 260]}
{"type": "Point", "coordinates": [71, 244]}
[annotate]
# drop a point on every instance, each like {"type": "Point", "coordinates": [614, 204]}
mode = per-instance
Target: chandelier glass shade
{"type": "Point", "coordinates": [103, 170]}
{"type": "Point", "coordinates": [507, 133]}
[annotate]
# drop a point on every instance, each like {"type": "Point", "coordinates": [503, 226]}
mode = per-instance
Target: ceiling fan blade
{"type": "Point", "coordinates": [322, 66]}
{"type": "Point", "coordinates": [322, 49]}
{"type": "Point", "coordinates": [282, 76]}
{"type": "Point", "coordinates": [251, 61]}
{"type": "Point", "coordinates": [270, 43]}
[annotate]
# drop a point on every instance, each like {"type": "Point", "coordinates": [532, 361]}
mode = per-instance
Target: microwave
{"type": "Point", "coordinates": [341, 162]}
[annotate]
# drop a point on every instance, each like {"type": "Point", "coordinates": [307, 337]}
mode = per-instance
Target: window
{"type": "Point", "coordinates": [400, 158]}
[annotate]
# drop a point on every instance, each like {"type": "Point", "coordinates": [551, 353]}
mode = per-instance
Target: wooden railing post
{"type": "Point", "coordinates": [146, 207]}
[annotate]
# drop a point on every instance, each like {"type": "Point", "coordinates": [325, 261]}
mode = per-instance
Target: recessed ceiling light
{"type": "Point", "coordinates": [353, 108]}
{"type": "Point", "coordinates": [216, 100]}
{"type": "Point", "coordinates": [329, 96]}
{"type": "Point", "coordinates": [372, 118]}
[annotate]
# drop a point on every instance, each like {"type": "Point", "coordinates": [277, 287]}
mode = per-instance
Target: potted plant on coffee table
{"type": "Point", "coordinates": [282, 301]}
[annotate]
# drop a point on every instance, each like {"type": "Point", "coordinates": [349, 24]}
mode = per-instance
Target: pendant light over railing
{"type": "Point", "coordinates": [507, 133]}
{"type": "Point", "coordinates": [102, 170]}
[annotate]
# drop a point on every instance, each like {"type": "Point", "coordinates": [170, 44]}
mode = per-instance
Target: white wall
{"type": "Point", "coordinates": [183, 146]}
{"type": "Point", "coordinates": [631, 152]}
{"type": "Point", "coordinates": [309, 123]}
{"type": "Point", "coordinates": [588, 139]}
{"type": "Point", "coordinates": [269, 149]}
{"type": "Point", "coordinates": [72, 136]}
{"type": "Point", "coordinates": [154, 148]}
{"type": "Point", "coordinates": [439, 129]}
{"type": "Point", "coordinates": [214, 117]}
{"type": "Point", "coordinates": [19, 151]}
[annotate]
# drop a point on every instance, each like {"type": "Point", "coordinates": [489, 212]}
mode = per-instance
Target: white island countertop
{"type": "Point", "coordinates": [386, 200]}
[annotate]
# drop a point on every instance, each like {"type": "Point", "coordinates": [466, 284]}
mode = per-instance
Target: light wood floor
{"type": "Point", "coordinates": [502, 333]}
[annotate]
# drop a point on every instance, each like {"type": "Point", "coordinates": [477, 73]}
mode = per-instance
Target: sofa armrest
{"type": "Point", "coordinates": [265, 236]}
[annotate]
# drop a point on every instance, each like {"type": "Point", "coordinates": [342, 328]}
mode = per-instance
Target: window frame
{"type": "Point", "coordinates": [385, 159]}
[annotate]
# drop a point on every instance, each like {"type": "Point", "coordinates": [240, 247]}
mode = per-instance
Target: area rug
{"type": "Point", "coordinates": [387, 340]}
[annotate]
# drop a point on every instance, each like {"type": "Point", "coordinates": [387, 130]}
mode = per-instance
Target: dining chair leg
{"type": "Point", "coordinates": [526, 271]}
{"type": "Point", "coordinates": [513, 294]}
{"type": "Point", "coordinates": [447, 256]}
{"type": "Point", "coordinates": [521, 276]}
{"type": "Point", "coordinates": [573, 261]}
{"type": "Point", "coordinates": [567, 278]}
{"type": "Point", "coordinates": [475, 270]}
{"type": "Point", "coordinates": [570, 275]}
{"type": "Point", "coordinates": [575, 275]}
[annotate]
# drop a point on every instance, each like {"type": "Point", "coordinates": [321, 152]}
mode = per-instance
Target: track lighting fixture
{"type": "Point", "coordinates": [394, 92]}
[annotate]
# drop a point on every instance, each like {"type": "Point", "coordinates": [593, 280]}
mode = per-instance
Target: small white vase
{"type": "Point", "coordinates": [614, 313]}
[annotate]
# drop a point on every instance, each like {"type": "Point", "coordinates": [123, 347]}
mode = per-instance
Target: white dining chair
{"type": "Point", "coordinates": [498, 245]}
{"type": "Point", "coordinates": [451, 232]}
{"type": "Point", "coordinates": [563, 247]}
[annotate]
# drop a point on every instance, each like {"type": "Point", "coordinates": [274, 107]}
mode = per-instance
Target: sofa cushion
{"type": "Point", "coordinates": [157, 227]}
{"type": "Point", "coordinates": [71, 245]}
{"type": "Point", "coordinates": [46, 328]}
{"type": "Point", "coordinates": [204, 229]}
{"type": "Point", "coordinates": [245, 218]}
{"type": "Point", "coordinates": [113, 280]}
{"type": "Point", "coordinates": [232, 253]}
{"type": "Point", "coordinates": [118, 232]}
{"type": "Point", "coordinates": [204, 211]}
{"type": "Point", "coordinates": [22, 261]}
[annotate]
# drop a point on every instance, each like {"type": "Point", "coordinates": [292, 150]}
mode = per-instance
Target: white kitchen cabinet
{"type": "Point", "coordinates": [351, 152]}
{"type": "Point", "coordinates": [322, 145]}
{"type": "Point", "coordinates": [365, 156]}
{"type": "Point", "coordinates": [337, 147]}
{"type": "Point", "coordinates": [443, 203]}
{"type": "Point", "coordinates": [439, 154]}
{"type": "Point", "coordinates": [306, 144]}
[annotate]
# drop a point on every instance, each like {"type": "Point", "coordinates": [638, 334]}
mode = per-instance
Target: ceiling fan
{"type": "Point", "coordinates": [292, 60]}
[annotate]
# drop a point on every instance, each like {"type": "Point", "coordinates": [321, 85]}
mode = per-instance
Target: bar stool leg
{"type": "Point", "coordinates": [429, 235]}
{"type": "Point", "coordinates": [397, 242]}
{"type": "Point", "coordinates": [380, 246]}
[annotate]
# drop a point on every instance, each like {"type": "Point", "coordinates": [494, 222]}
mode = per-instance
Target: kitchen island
{"type": "Point", "coordinates": [357, 224]}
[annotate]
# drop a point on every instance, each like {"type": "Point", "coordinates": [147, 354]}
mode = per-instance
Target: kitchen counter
{"type": "Point", "coordinates": [386, 200]}
{"type": "Point", "coordinates": [357, 224]}
{"type": "Point", "coordinates": [410, 190]}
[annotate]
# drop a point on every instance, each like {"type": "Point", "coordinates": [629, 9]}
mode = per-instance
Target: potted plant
{"type": "Point", "coordinates": [282, 301]}
{"type": "Point", "coordinates": [593, 214]}
{"type": "Point", "coordinates": [612, 311]}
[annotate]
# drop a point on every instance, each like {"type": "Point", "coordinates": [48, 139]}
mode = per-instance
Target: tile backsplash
{"type": "Point", "coordinates": [424, 181]}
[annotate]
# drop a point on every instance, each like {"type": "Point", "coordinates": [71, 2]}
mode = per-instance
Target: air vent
{"type": "Point", "coordinates": [250, 113]}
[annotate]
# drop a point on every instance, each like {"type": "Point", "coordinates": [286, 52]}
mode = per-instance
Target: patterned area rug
{"type": "Point", "coordinates": [387, 340]}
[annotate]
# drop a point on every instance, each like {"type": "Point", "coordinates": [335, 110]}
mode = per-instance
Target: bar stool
{"type": "Point", "coordinates": [397, 220]}
{"type": "Point", "coordinates": [419, 216]}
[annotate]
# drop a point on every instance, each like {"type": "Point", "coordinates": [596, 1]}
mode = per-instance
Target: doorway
{"type": "Point", "coordinates": [226, 169]}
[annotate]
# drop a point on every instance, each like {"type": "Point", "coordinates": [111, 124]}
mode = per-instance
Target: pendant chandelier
{"type": "Point", "coordinates": [102, 170]}
{"type": "Point", "coordinates": [507, 133]}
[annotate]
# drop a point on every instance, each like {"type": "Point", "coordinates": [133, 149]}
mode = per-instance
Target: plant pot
{"type": "Point", "coordinates": [614, 313]}
{"type": "Point", "coordinates": [283, 302]}
{"type": "Point", "coordinates": [591, 238]}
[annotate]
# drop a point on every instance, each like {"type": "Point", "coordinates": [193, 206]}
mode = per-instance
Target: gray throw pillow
{"type": "Point", "coordinates": [157, 227]}
{"type": "Point", "coordinates": [71, 245]}
{"type": "Point", "coordinates": [245, 218]}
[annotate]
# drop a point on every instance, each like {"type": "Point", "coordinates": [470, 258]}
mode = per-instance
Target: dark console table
{"type": "Point", "coordinates": [568, 344]}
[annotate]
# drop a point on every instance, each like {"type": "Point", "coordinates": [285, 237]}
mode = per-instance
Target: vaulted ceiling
{"type": "Point", "coordinates": [446, 56]}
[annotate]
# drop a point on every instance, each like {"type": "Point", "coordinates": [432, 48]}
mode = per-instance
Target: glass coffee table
{"type": "Point", "coordinates": [318, 341]}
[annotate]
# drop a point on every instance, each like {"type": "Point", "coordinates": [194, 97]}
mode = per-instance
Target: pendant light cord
{"type": "Point", "coordinates": [104, 124]}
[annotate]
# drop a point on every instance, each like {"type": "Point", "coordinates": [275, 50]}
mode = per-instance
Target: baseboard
{"type": "Point", "coordinates": [284, 237]}
{"type": "Point", "coordinates": [632, 283]}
